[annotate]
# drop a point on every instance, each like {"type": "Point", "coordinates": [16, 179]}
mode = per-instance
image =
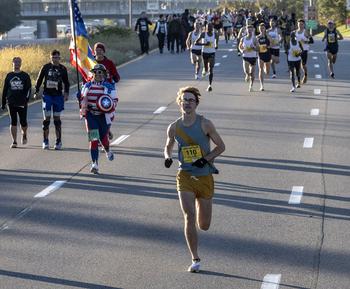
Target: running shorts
{"type": "Point", "coordinates": [56, 103]}
{"type": "Point", "coordinates": [275, 52]}
{"type": "Point", "coordinates": [265, 57]}
{"type": "Point", "coordinates": [251, 60]}
{"type": "Point", "coordinates": [201, 186]}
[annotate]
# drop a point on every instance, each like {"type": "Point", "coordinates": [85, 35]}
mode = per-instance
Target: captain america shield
{"type": "Point", "coordinates": [105, 103]}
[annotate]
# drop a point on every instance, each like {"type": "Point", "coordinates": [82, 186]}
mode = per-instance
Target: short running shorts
{"type": "Point", "coordinates": [201, 186]}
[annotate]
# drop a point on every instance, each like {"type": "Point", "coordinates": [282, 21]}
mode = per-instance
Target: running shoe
{"type": "Point", "coordinates": [46, 145]}
{"type": "Point", "coordinates": [24, 139]}
{"type": "Point", "coordinates": [58, 145]}
{"type": "Point", "coordinates": [204, 73]}
{"type": "Point", "coordinates": [94, 168]}
{"type": "Point", "coordinates": [110, 156]}
{"type": "Point", "coordinates": [209, 88]}
{"type": "Point", "coordinates": [246, 78]}
{"type": "Point", "coordinates": [292, 89]}
{"type": "Point", "coordinates": [332, 75]}
{"type": "Point", "coordinates": [196, 76]}
{"type": "Point", "coordinates": [298, 85]}
{"type": "Point", "coordinates": [195, 266]}
{"type": "Point", "coordinates": [13, 145]}
{"type": "Point", "coordinates": [262, 88]}
{"type": "Point", "coordinates": [250, 88]}
{"type": "Point", "coordinates": [238, 54]}
{"type": "Point", "coordinates": [274, 75]}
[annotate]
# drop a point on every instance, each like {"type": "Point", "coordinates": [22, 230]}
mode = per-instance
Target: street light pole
{"type": "Point", "coordinates": [130, 14]}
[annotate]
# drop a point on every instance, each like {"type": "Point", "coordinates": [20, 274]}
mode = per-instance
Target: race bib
{"type": "Point", "coordinates": [210, 45]}
{"type": "Point", "coordinates": [191, 153]}
{"type": "Point", "coordinates": [331, 38]}
{"type": "Point", "coordinates": [249, 49]}
{"type": "Point", "coordinates": [52, 84]}
{"type": "Point", "coordinates": [296, 53]}
{"type": "Point", "coordinates": [93, 135]}
{"type": "Point", "coordinates": [263, 48]}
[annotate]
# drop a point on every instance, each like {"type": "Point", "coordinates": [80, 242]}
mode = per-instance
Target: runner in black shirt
{"type": "Point", "coordinates": [16, 92]}
{"type": "Point", "coordinates": [54, 76]}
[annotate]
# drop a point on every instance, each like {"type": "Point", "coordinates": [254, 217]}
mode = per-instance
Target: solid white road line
{"type": "Point", "coordinates": [296, 195]}
{"type": "Point", "coordinates": [317, 66]}
{"type": "Point", "coordinates": [317, 91]}
{"type": "Point", "coordinates": [160, 110]}
{"type": "Point", "coordinates": [224, 56]}
{"type": "Point", "coordinates": [50, 189]}
{"type": "Point", "coordinates": [314, 112]}
{"type": "Point", "coordinates": [311, 51]}
{"type": "Point", "coordinates": [120, 139]}
{"type": "Point", "coordinates": [217, 64]}
{"type": "Point", "coordinates": [308, 142]}
{"type": "Point", "coordinates": [271, 281]}
{"type": "Point", "coordinates": [314, 57]}
{"type": "Point", "coordinates": [318, 76]}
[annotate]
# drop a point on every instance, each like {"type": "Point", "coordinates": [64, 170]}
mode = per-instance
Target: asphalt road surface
{"type": "Point", "coordinates": [281, 216]}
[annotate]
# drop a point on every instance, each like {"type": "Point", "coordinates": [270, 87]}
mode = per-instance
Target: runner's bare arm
{"type": "Point", "coordinates": [170, 141]}
{"type": "Point", "coordinates": [188, 40]}
{"type": "Point", "coordinates": [209, 128]}
{"type": "Point", "coordinates": [340, 36]}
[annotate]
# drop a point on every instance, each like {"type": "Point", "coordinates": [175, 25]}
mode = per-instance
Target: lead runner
{"type": "Point", "coordinates": [195, 183]}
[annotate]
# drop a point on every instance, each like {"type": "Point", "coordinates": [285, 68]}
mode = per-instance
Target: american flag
{"type": "Point", "coordinates": [84, 59]}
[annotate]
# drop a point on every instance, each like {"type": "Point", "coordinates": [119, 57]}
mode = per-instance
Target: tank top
{"type": "Point", "coordinates": [194, 38]}
{"type": "Point", "coordinates": [248, 51]}
{"type": "Point", "coordinates": [210, 48]}
{"type": "Point", "coordinates": [332, 37]}
{"type": "Point", "coordinates": [264, 42]}
{"type": "Point", "coordinates": [294, 52]}
{"type": "Point", "coordinates": [275, 38]}
{"type": "Point", "coordinates": [193, 144]}
{"type": "Point", "coordinates": [302, 38]}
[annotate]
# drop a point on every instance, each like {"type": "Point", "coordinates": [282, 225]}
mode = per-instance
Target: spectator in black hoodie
{"type": "Point", "coordinates": [16, 93]}
{"type": "Point", "coordinates": [174, 31]}
{"type": "Point", "coordinates": [142, 29]}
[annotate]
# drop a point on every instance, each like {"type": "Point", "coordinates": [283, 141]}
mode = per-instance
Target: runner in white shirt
{"type": "Point", "coordinates": [294, 60]}
{"type": "Point", "coordinates": [209, 46]}
{"type": "Point", "coordinates": [249, 46]}
{"type": "Point", "coordinates": [196, 50]}
{"type": "Point", "coordinates": [303, 36]}
{"type": "Point", "coordinates": [275, 35]}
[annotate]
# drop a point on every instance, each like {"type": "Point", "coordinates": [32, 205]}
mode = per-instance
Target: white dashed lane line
{"type": "Point", "coordinates": [318, 76]}
{"type": "Point", "coordinates": [271, 281]}
{"type": "Point", "coordinates": [217, 64]}
{"type": "Point", "coordinates": [120, 139]}
{"type": "Point", "coordinates": [317, 91]}
{"type": "Point", "coordinates": [308, 143]}
{"type": "Point", "coordinates": [230, 50]}
{"type": "Point", "coordinates": [314, 112]}
{"type": "Point", "coordinates": [317, 66]}
{"type": "Point", "coordinates": [314, 57]}
{"type": "Point", "coordinates": [224, 56]}
{"type": "Point", "coordinates": [50, 189]}
{"type": "Point", "coordinates": [160, 110]}
{"type": "Point", "coordinates": [296, 195]}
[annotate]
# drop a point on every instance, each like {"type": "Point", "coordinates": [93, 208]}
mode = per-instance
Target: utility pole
{"type": "Point", "coordinates": [130, 14]}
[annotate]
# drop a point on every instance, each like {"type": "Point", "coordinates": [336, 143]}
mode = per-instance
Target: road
{"type": "Point", "coordinates": [124, 228]}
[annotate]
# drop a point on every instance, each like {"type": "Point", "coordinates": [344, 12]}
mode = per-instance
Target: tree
{"type": "Point", "coordinates": [9, 15]}
{"type": "Point", "coordinates": [335, 10]}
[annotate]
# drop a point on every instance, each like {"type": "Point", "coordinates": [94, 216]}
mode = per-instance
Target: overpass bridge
{"type": "Point", "coordinates": [47, 12]}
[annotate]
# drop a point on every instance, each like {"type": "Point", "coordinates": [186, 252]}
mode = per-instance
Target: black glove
{"type": "Point", "coordinates": [168, 162]}
{"type": "Point", "coordinates": [200, 163]}
{"type": "Point", "coordinates": [3, 107]}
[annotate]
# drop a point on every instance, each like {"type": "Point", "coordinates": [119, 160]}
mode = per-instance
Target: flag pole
{"type": "Point", "coordinates": [72, 25]}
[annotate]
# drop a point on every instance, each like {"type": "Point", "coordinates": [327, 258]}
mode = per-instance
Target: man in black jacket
{"type": "Point", "coordinates": [54, 76]}
{"type": "Point", "coordinates": [142, 29]}
{"type": "Point", "coordinates": [16, 93]}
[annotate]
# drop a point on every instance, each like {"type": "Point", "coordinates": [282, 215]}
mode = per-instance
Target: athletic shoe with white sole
{"type": "Point", "coordinates": [195, 266]}
{"type": "Point", "coordinates": [292, 89]}
{"type": "Point", "coordinates": [46, 145]}
{"type": "Point", "coordinates": [110, 156]}
{"type": "Point", "coordinates": [94, 168]}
